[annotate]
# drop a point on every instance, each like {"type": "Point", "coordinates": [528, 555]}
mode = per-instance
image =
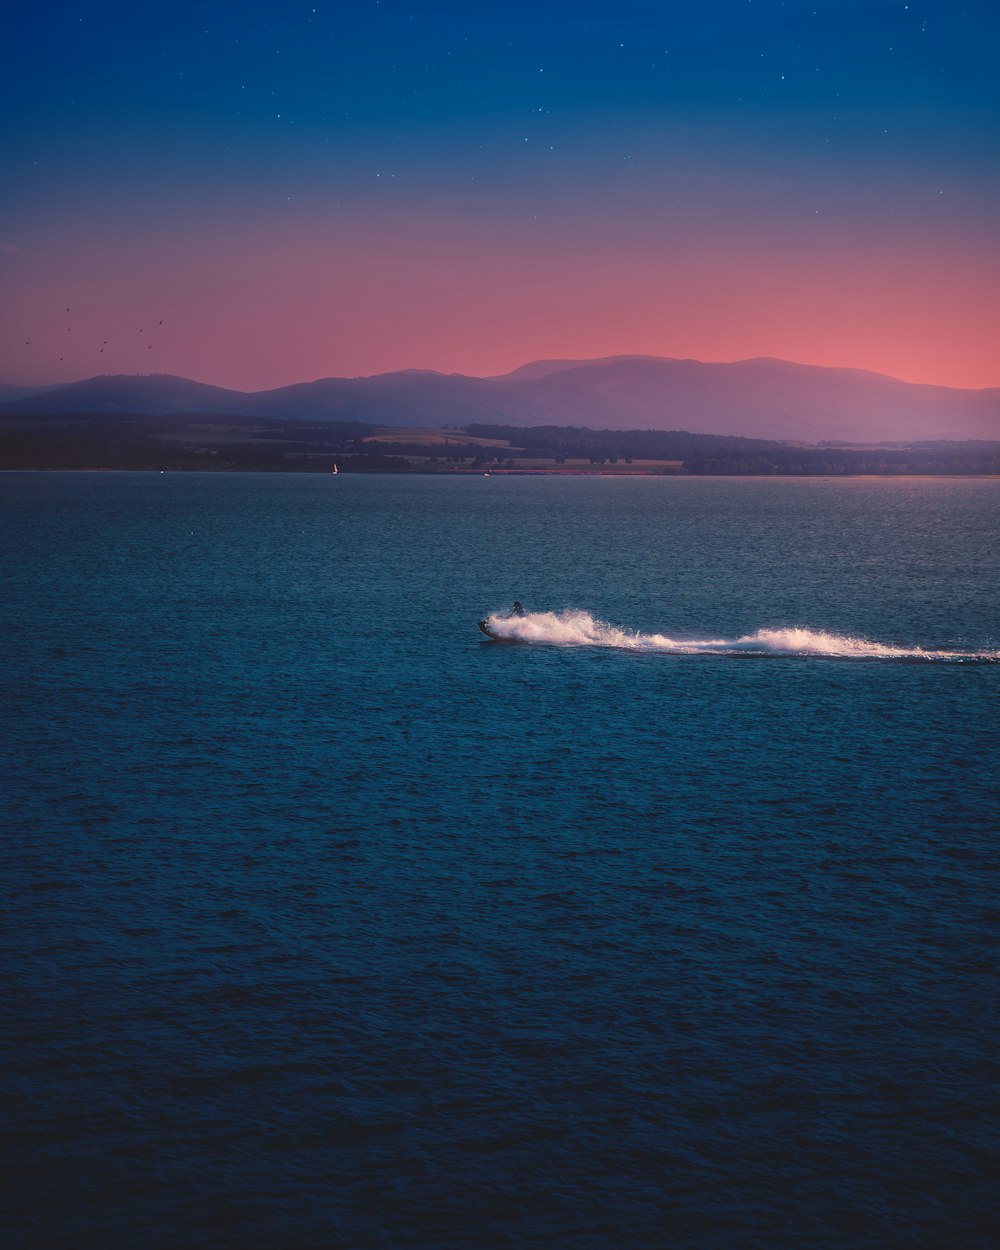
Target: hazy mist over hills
{"type": "Point", "coordinates": [760, 398]}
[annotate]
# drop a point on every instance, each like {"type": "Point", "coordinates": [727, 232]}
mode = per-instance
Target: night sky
{"type": "Point", "coordinates": [305, 190]}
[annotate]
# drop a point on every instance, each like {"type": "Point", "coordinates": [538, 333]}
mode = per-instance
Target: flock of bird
{"type": "Point", "coordinates": [105, 342]}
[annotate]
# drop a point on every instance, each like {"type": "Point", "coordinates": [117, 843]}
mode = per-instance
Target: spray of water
{"type": "Point", "coordinates": [575, 628]}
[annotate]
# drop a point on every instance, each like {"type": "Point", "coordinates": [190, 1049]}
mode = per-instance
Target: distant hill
{"type": "Point", "coordinates": [543, 368]}
{"type": "Point", "coordinates": [154, 394]}
{"type": "Point", "coordinates": [411, 398]}
{"type": "Point", "coordinates": [9, 392]}
{"type": "Point", "coordinates": [762, 398]}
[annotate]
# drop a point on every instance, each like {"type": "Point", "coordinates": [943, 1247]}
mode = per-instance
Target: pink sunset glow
{"type": "Point", "coordinates": [258, 306]}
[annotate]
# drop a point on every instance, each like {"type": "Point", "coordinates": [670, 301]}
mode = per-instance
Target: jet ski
{"type": "Point", "coordinates": [484, 625]}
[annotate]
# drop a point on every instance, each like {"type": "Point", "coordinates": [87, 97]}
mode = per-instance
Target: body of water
{"type": "Point", "coordinates": [329, 923]}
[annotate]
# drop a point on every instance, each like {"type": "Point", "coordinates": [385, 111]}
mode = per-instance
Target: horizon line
{"type": "Point", "coordinates": [580, 362]}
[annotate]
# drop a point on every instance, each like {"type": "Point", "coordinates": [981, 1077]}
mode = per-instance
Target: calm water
{"type": "Point", "coordinates": [328, 923]}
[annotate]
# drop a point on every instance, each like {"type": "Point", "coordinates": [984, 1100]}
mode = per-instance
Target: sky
{"type": "Point", "coordinates": [258, 194]}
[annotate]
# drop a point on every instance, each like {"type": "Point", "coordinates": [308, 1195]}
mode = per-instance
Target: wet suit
{"type": "Point", "coordinates": [517, 610]}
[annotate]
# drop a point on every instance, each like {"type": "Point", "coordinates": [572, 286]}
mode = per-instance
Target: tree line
{"type": "Point", "coordinates": [225, 443]}
{"type": "Point", "coordinates": [724, 454]}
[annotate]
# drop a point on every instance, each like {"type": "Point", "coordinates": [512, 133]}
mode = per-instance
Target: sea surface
{"type": "Point", "coordinates": [670, 921]}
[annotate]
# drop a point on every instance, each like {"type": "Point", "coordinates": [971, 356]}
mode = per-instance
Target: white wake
{"type": "Point", "coordinates": [575, 628]}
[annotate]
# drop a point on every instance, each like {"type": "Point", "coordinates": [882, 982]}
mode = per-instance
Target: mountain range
{"type": "Point", "coordinates": [760, 398]}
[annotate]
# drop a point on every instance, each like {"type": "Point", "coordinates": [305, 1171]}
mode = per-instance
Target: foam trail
{"type": "Point", "coordinates": [575, 628]}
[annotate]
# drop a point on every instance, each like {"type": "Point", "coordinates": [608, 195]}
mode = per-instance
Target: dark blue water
{"type": "Point", "coordinates": [328, 923]}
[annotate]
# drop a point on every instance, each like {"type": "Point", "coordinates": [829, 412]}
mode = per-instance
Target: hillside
{"type": "Point", "coordinates": [763, 398]}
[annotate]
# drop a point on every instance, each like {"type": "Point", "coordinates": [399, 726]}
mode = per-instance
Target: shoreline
{"type": "Point", "coordinates": [463, 473]}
